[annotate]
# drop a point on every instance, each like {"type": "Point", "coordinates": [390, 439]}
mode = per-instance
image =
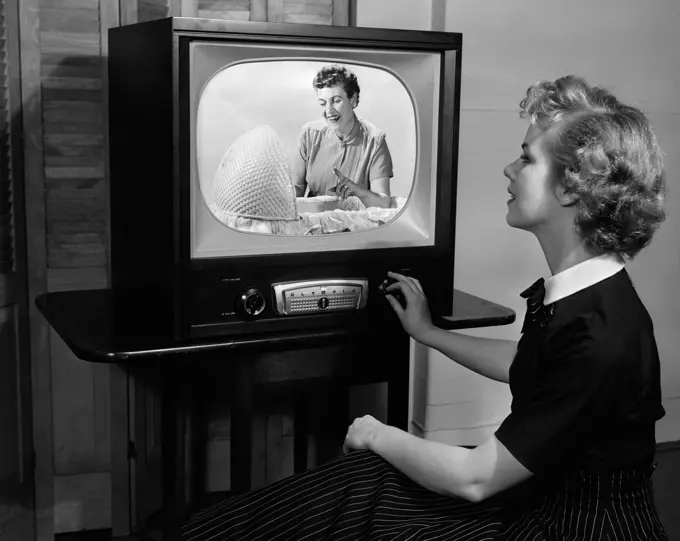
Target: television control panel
{"type": "Point", "coordinates": [269, 299]}
{"type": "Point", "coordinates": [318, 296]}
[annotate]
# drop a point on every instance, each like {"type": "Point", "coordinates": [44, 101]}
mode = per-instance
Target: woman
{"type": "Point", "coordinates": [573, 460]}
{"type": "Point", "coordinates": [342, 154]}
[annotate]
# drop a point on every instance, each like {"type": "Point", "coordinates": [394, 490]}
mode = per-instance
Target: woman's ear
{"type": "Point", "coordinates": [566, 197]}
{"type": "Point", "coordinates": [563, 194]}
{"type": "Point", "coordinates": [353, 101]}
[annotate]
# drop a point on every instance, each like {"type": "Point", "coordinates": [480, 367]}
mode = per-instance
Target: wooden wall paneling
{"type": "Point", "coordinates": [129, 11]}
{"type": "Point", "coordinates": [17, 518]}
{"type": "Point", "coordinates": [82, 502]}
{"type": "Point", "coordinates": [6, 214]}
{"type": "Point", "coordinates": [342, 12]}
{"type": "Point", "coordinates": [59, 42]}
{"type": "Point", "coordinates": [58, 19]}
{"type": "Point", "coordinates": [189, 8]}
{"type": "Point", "coordinates": [336, 12]}
{"type": "Point", "coordinates": [37, 264]}
{"type": "Point", "coordinates": [74, 135]}
{"type": "Point", "coordinates": [7, 274]}
{"type": "Point", "coordinates": [175, 8]}
{"type": "Point", "coordinates": [109, 17]}
{"type": "Point", "coordinates": [308, 11]}
{"type": "Point", "coordinates": [73, 46]}
{"type": "Point", "coordinates": [258, 10]}
{"type": "Point", "coordinates": [82, 440]}
{"type": "Point", "coordinates": [80, 412]}
{"type": "Point", "coordinates": [275, 11]}
{"type": "Point", "coordinates": [149, 10]}
{"type": "Point", "coordinates": [68, 4]}
{"type": "Point", "coordinates": [66, 279]}
{"type": "Point", "coordinates": [238, 10]}
{"type": "Point", "coordinates": [9, 459]}
{"type": "Point", "coordinates": [18, 284]}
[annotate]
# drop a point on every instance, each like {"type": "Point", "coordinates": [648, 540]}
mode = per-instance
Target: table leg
{"type": "Point", "coordinates": [169, 437]}
{"type": "Point", "coordinates": [199, 441]}
{"type": "Point", "coordinates": [301, 428]}
{"type": "Point", "coordinates": [242, 399]}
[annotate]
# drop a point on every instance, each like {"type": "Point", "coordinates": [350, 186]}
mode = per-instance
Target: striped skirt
{"type": "Point", "coordinates": [361, 496]}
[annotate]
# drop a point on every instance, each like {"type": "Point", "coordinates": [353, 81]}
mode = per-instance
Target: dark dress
{"type": "Point", "coordinates": [586, 395]}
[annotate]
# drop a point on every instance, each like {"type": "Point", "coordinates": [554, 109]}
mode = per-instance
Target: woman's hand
{"type": "Point", "coordinates": [362, 433]}
{"type": "Point", "coordinates": [369, 198]}
{"type": "Point", "coordinates": [415, 318]}
{"type": "Point", "coordinates": [346, 187]}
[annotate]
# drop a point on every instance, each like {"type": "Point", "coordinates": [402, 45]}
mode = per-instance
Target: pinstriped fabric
{"type": "Point", "coordinates": [633, 513]}
{"type": "Point", "coordinates": [593, 506]}
{"type": "Point", "coordinates": [360, 496]}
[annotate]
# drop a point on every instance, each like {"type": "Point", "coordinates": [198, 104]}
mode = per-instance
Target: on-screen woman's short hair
{"type": "Point", "coordinates": [611, 160]}
{"type": "Point", "coordinates": [335, 74]}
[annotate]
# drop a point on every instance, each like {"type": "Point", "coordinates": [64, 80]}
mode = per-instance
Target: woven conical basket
{"type": "Point", "coordinates": [253, 180]}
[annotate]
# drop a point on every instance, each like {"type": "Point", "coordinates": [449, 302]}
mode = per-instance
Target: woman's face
{"type": "Point", "coordinates": [534, 185]}
{"type": "Point", "coordinates": [338, 109]}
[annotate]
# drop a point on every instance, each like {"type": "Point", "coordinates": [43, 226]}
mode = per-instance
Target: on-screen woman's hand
{"type": "Point", "coordinates": [415, 318]}
{"type": "Point", "coordinates": [346, 187]}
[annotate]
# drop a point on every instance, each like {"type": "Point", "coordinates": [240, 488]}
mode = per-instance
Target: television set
{"type": "Point", "coordinates": [227, 173]}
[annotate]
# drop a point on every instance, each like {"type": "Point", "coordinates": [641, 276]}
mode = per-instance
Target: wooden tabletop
{"type": "Point", "coordinates": [102, 326]}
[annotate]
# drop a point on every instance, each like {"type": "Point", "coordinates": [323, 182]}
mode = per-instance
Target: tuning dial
{"type": "Point", "coordinates": [252, 302]}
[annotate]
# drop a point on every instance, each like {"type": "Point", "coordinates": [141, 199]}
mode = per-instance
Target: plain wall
{"type": "Point", "coordinates": [631, 48]}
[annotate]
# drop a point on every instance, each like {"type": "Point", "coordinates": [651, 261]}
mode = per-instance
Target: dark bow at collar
{"type": "Point", "coordinates": [537, 312]}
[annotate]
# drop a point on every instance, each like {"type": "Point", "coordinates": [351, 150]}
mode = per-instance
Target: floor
{"type": "Point", "coordinates": [666, 488]}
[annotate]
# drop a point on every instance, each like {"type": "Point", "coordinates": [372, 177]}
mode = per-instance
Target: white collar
{"type": "Point", "coordinates": [581, 276]}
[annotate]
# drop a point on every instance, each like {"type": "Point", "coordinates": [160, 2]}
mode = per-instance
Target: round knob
{"type": "Point", "coordinates": [253, 302]}
{"type": "Point", "coordinates": [323, 303]}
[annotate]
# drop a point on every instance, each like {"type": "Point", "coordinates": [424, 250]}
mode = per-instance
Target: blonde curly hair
{"type": "Point", "coordinates": [610, 159]}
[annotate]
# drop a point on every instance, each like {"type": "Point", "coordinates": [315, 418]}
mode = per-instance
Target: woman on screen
{"type": "Point", "coordinates": [340, 153]}
{"type": "Point", "coordinates": [574, 459]}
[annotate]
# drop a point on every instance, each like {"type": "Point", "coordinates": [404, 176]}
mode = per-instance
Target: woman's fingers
{"type": "Point", "coordinates": [344, 185]}
{"type": "Point", "coordinates": [413, 283]}
{"type": "Point", "coordinates": [341, 188]}
{"type": "Point", "coordinates": [418, 286]}
{"type": "Point", "coordinates": [339, 174]}
{"type": "Point", "coordinates": [402, 285]}
{"type": "Point", "coordinates": [396, 305]}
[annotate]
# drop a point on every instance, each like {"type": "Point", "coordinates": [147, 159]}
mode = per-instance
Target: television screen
{"type": "Point", "coordinates": [286, 159]}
